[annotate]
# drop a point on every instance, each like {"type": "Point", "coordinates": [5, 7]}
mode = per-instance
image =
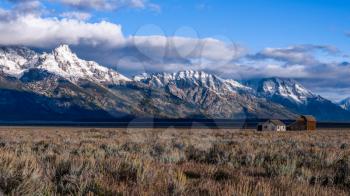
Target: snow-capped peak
{"type": "Point", "coordinates": [62, 61]}
{"type": "Point", "coordinates": [189, 79]}
{"type": "Point", "coordinates": [287, 88]}
{"type": "Point", "coordinates": [140, 77]}
{"type": "Point", "coordinates": [15, 60]}
{"type": "Point", "coordinates": [64, 48]}
{"type": "Point", "coordinates": [64, 53]}
{"type": "Point", "coordinates": [345, 104]}
{"type": "Point", "coordinates": [233, 84]}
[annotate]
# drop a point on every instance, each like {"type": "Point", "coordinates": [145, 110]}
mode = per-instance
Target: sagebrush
{"type": "Point", "coordinates": [89, 161]}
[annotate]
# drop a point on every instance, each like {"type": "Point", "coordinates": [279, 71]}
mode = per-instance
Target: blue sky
{"type": "Point", "coordinates": [255, 23]}
{"type": "Point", "coordinates": [307, 40]}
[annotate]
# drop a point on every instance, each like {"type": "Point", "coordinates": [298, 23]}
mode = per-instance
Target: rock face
{"type": "Point", "coordinates": [60, 86]}
{"type": "Point", "coordinates": [215, 97]}
{"type": "Point", "coordinates": [66, 64]}
{"type": "Point", "coordinates": [15, 61]}
{"type": "Point", "coordinates": [295, 97]}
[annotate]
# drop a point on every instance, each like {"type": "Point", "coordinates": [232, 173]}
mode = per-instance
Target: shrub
{"type": "Point", "coordinates": [342, 172]}
{"type": "Point", "coordinates": [222, 175]}
{"type": "Point", "coordinates": [192, 174]}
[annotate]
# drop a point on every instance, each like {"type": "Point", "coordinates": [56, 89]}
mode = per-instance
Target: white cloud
{"type": "Point", "coordinates": [105, 43]}
{"type": "Point", "coordinates": [160, 53]}
{"type": "Point", "coordinates": [207, 49]}
{"type": "Point", "coordinates": [76, 15]}
{"type": "Point", "coordinates": [35, 31]}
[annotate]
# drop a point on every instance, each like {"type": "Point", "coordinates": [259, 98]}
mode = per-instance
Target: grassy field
{"type": "Point", "coordinates": [88, 161]}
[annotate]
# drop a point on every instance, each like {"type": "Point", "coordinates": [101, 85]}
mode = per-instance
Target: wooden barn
{"type": "Point", "coordinates": [303, 123]}
{"type": "Point", "coordinates": [272, 125]}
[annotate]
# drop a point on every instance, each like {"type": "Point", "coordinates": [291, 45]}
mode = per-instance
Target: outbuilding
{"type": "Point", "coordinates": [272, 125]}
{"type": "Point", "coordinates": [303, 123]}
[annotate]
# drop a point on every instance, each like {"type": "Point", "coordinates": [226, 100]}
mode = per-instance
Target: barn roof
{"type": "Point", "coordinates": [277, 122]}
{"type": "Point", "coordinates": [309, 117]}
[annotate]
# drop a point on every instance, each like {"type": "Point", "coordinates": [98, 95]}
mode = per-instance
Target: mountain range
{"type": "Point", "coordinates": [59, 86]}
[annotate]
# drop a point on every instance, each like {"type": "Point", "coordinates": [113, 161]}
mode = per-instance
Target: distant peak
{"type": "Point", "coordinates": [64, 53]}
{"type": "Point", "coordinates": [197, 74]}
{"type": "Point", "coordinates": [345, 101]}
{"type": "Point", "coordinates": [190, 71]}
{"type": "Point", "coordinates": [283, 87]}
{"type": "Point", "coordinates": [279, 79]}
{"type": "Point", "coordinates": [64, 48]}
{"type": "Point", "coordinates": [21, 50]}
{"type": "Point", "coordinates": [141, 77]}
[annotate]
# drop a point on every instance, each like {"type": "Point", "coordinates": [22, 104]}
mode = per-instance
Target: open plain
{"type": "Point", "coordinates": [93, 161]}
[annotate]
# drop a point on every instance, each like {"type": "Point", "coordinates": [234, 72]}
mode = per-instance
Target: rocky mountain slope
{"type": "Point", "coordinates": [295, 97]}
{"type": "Point", "coordinates": [60, 86]}
{"type": "Point", "coordinates": [216, 97]}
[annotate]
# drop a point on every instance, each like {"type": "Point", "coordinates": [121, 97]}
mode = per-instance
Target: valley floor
{"type": "Point", "coordinates": [90, 161]}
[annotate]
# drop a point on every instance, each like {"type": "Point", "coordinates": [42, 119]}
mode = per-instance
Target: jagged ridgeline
{"type": "Point", "coordinates": [60, 86]}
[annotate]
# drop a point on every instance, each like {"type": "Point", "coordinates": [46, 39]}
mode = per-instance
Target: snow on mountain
{"type": "Point", "coordinates": [62, 61]}
{"type": "Point", "coordinates": [233, 85]}
{"type": "Point", "coordinates": [141, 77]}
{"type": "Point", "coordinates": [345, 104]}
{"type": "Point", "coordinates": [15, 60]}
{"type": "Point", "coordinates": [293, 96]}
{"type": "Point", "coordinates": [214, 96]}
{"type": "Point", "coordinates": [190, 78]}
{"type": "Point", "coordinates": [285, 88]}
{"type": "Point", "coordinates": [209, 94]}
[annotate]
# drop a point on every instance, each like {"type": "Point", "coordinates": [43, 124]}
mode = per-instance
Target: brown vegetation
{"type": "Point", "coordinates": [76, 161]}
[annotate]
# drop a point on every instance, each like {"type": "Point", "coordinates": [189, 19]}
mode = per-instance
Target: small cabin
{"type": "Point", "coordinates": [272, 125]}
{"type": "Point", "coordinates": [303, 123]}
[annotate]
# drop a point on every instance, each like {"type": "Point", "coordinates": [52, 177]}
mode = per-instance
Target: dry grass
{"type": "Point", "coordinates": [77, 161]}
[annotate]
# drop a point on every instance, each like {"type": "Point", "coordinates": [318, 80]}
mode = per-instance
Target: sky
{"type": "Point", "coordinates": [308, 40]}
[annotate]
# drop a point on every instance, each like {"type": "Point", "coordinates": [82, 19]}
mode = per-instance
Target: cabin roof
{"type": "Point", "coordinates": [277, 122]}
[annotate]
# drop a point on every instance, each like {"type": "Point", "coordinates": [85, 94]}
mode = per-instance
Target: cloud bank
{"type": "Point", "coordinates": [299, 54]}
{"type": "Point", "coordinates": [105, 42]}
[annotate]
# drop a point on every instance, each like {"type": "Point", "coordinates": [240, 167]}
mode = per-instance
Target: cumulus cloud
{"type": "Point", "coordinates": [40, 32]}
{"type": "Point", "coordinates": [105, 43]}
{"type": "Point", "coordinates": [160, 53]}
